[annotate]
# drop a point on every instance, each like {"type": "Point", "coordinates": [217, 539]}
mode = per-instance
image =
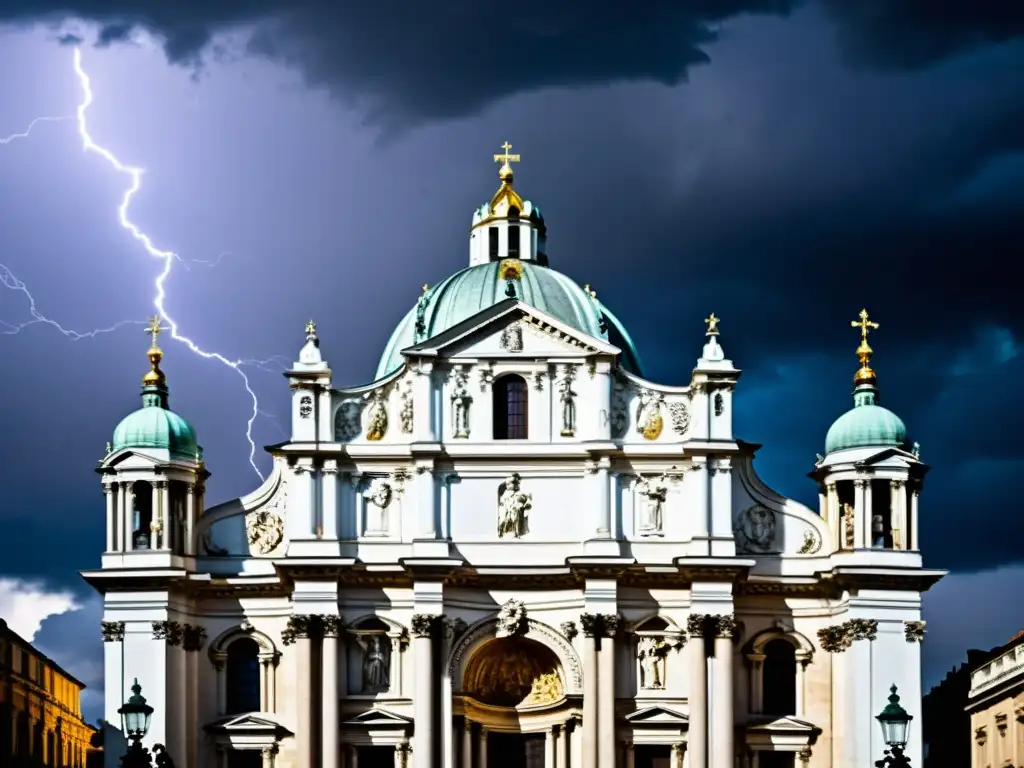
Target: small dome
{"type": "Point", "coordinates": [474, 289]}
{"type": "Point", "coordinates": [867, 424]}
{"type": "Point", "coordinates": [155, 427]}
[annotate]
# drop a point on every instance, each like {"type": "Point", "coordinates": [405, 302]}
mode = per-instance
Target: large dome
{"type": "Point", "coordinates": [156, 427]}
{"type": "Point", "coordinates": [475, 288]}
{"type": "Point", "coordinates": [867, 424]}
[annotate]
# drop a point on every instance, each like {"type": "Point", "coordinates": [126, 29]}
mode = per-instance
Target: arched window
{"type": "Point", "coordinates": [243, 676]}
{"type": "Point", "coordinates": [510, 408]}
{"type": "Point", "coordinates": [142, 517]}
{"type": "Point", "coordinates": [492, 242]}
{"type": "Point", "coordinates": [779, 678]}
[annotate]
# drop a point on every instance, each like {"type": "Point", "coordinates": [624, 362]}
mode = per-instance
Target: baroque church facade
{"type": "Point", "coordinates": [512, 549]}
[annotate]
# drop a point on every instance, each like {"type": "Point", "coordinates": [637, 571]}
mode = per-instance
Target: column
{"type": "Point", "coordinates": [678, 750]}
{"type": "Point", "coordinates": [190, 516]}
{"type": "Point", "coordinates": [869, 515]}
{"type": "Point", "coordinates": [575, 741]}
{"type": "Point", "coordinates": [722, 714]}
{"type": "Point", "coordinates": [606, 687]}
{"type": "Point", "coordinates": [108, 492]}
{"type": "Point", "coordinates": [127, 526]}
{"type": "Point", "coordinates": [630, 756]}
{"type": "Point", "coordinates": [155, 517]}
{"type": "Point", "coordinates": [222, 691]}
{"type": "Point", "coordinates": [166, 521]}
{"type": "Point", "coordinates": [467, 743]}
{"type": "Point", "coordinates": [549, 749]}
{"type": "Point", "coordinates": [756, 682]}
{"type": "Point", "coordinates": [589, 623]}
{"type": "Point", "coordinates": [400, 750]}
{"type": "Point", "coordinates": [481, 749]}
{"type": "Point", "coordinates": [222, 756]}
{"type": "Point", "coordinates": [698, 694]}
{"type": "Point", "coordinates": [803, 658]}
{"type": "Point", "coordinates": [913, 518]}
{"type": "Point", "coordinates": [562, 758]}
{"type": "Point", "coordinates": [329, 693]}
{"type": "Point", "coordinates": [329, 500]}
{"type": "Point", "coordinates": [272, 683]}
{"type": "Point", "coordinates": [895, 521]}
{"type": "Point", "coordinates": [603, 500]}
{"type": "Point", "coordinates": [353, 757]}
{"type": "Point", "coordinates": [861, 514]}
{"type": "Point", "coordinates": [268, 756]}
{"type": "Point", "coordinates": [833, 516]}
{"type": "Point", "coordinates": [424, 628]}
{"type": "Point", "coordinates": [305, 751]}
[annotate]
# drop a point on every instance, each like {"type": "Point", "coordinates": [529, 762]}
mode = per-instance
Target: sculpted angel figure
{"type": "Point", "coordinates": [653, 492]}
{"type": "Point", "coordinates": [513, 508]}
{"type": "Point", "coordinates": [375, 664]}
{"type": "Point", "coordinates": [651, 653]}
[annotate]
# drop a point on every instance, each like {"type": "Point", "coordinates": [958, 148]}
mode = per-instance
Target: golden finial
{"type": "Point", "coordinates": [154, 377]}
{"type": "Point", "coordinates": [712, 323]}
{"type": "Point", "coordinates": [865, 375]}
{"type": "Point", "coordinates": [590, 291]}
{"type": "Point", "coordinates": [505, 172]}
{"type": "Point", "coordinates": [426, 287]}
{"type": "Point", "coordinates": [310, 329]}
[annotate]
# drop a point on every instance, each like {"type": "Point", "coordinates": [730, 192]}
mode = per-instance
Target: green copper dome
{"type": "Point", "coordinates": [867, 424]}
{"type": "Point", "coordinates": [475, 288]}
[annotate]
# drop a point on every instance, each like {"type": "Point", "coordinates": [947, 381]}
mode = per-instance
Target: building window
{"type": "Point", "coordinates": [513, 241]}
{"type": "Point", "coordinates": [142, 515]}
{"type": "Point", "coordinates": [245, 758]}
{"type": "Point", "coordinates": [510, 408]}
{"type": "Point", "coordinates": [492, 234]}
{"type": "Point", "coordinates": [243, 676]}
{"type": "Point", "coordinates": [778, 682]}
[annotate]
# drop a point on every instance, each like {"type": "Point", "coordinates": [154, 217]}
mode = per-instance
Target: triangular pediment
{"type": "Point", "coordinates": [511, 328]}
{"type": "Point", "coordinates": [784, 724]}
{"type": "Point", "coordinates": [251, 723]}
{"type": "Point", "coordinates": [656, 715]}
{"type": "Point", "coordinates": [378, 718]}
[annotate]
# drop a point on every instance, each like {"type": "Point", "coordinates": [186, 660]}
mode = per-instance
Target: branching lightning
{"type": "Point", "coordinates": [168, 258]}
{"type": "Point", "coordinates": [24, 134]}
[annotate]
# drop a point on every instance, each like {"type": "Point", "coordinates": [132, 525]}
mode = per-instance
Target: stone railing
{"type": "Point", "coordinates": [1001, 669]}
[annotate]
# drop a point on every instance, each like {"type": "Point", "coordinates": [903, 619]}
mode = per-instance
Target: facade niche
{"type": "Point", "coordinates": [243, 676]}
{"type": "Point", "coordinates": [142, 514]}
{"type": "Point", "coordinates": [778, 681]}
{"type": "Point", "coordinates": [511, 401]}
{"type": "Point", "coordinates": [881, 514]}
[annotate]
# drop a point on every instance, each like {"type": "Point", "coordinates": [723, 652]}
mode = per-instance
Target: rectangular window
{"type": "Point", "coordinates": [492, 234]}
{"type": "Point", "coordinates": [513, 241]}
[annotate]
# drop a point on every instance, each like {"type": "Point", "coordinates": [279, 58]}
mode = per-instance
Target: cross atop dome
{"type": "Point", "coordinates": [865, 375]}
{"type": "Point", "coordinates": [505, 172]}
{"type": "Point", "coordinates": [154, 376]}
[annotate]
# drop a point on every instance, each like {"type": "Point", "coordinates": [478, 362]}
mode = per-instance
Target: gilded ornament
{"type": "Point", "coordinates": [545, 689]}
{"type": "Point", "coordinates": [377, 418]}
{"type": "Point", "coordinates": [865, 375]}
{"type": "Point", "coordinates": [811, 544]}
{"type": "Point", "coordinates": [649, 421]}
{"type": "Point", "coordinates": [712, 325]}
{"type": "Point", "coordinates": [511, 269]}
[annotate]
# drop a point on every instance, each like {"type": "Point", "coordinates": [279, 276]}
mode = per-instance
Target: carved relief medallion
{"type": "Point", "coordinates": [680, 414]}
{"type": "Point", "coordinates": [511, 619]}
{"type": "Point", "coordinates": [346, 421]}
{"type": "Point", "coordinates": [264, 527]}
{"type": "Point", "coordinates": [755, 530]}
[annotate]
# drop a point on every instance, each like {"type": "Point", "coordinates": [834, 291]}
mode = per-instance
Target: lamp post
{"type": "Point", "coordinates": [135, 714]}
{"type": "Point", "coordinates": [895, 724]}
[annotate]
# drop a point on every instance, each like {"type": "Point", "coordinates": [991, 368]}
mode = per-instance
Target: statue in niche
{"type": "Point", "coordinates": [376, 662]}
{"type": "Point", "coordinates": [649, 421]}
{"type": "Point", "coordinates": [755, 529]}
{"type": "Point", "coordinates": [379, 495]}
{"type": "Point", "coordinates": [651, 653]}
{"type": "Point", "coordinates": [377, 418]}
{"type": "Point", "coordinates": [653, 492]}
{"type": "Point", "coordinates": [461, 400]}
{"type": "Point", "coordinates": [568, 400]}
{"type": "Point", "coordinates": [513, 508]}
{"type": "Point", "coordinates": [405, 416]}
{"type": "Point", "coordinates": [877, 531]}
{"type": "Point", "coordinates": [512, 339]}
{"type": "Point", "coordinates": [848, 525]}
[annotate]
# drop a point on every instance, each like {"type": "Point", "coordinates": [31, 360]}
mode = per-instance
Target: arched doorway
{"type": "Point", "coordinates": [510, 686]}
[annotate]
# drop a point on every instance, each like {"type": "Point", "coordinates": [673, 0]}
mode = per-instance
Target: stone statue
{"type": "Point", "coordinates": [512, 339]}
{"type": "Point", "coordinates": [461, 400]}
{"type": "Point", "coordinates": [377, 425]}
{"type": "Point", "coordinates": [376, 658]}
{"type": "Point", "coordinates": [848, 526]}
{"type": "Point", "coordinates": [877, 531]}
{"type": "Point", "coordinates": [755, 530]}
{"type": "Point", "coordinates": [653, 492]}
{"type": "Point", "coordinates": [405, 416]}
{"type": "Point", "coordinates": [568, 399]}
{"type": "Point", "coordinates": [651, 653]}
{"type": "Point", "coordinates": [511, 619]}
{"type": "Point", "coordinates": [513, 508]}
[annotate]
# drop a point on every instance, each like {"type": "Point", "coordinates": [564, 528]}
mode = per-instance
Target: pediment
{"type": "Point", "coordinates": [255, 723]}
{"type": "Point", "coordinates": [511, 328]}
{"type": "Point", "coordinates": [657, 715]}
{"type": "Point", "coordinates": [379, 718]}
{"type": "Point", "coordinates": [131, 458]}
{"type": "Point", "coordinates": [781, 724]}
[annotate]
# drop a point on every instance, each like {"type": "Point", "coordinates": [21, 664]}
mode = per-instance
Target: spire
{"type": "Point", "coordinates": [505, 193]}
{"type": "Point", "coordinates": [712, 349]}
{"type": "Point", "coordinates": [154, 383]}
{"type": "Point", "coordinates": [865, 375]}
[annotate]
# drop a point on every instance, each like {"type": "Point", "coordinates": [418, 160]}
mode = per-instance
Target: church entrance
{"type": "Point", "coordinates": [515, 750]}
{"type": "Point", "coordinates": [652, 756]}
{"type": "Point", "coordinates": [376, 757]}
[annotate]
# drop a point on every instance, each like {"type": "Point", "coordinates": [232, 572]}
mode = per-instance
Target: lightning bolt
{"type": "Point", "coordinates": [168, 258]}
{"type": "Point", "coordinates": [24, 134]}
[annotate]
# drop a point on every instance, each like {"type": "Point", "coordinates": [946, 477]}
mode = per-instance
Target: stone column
{"type": "Point", "coordinates": [756, 682]}
{"type": "Point", "coordinates": [128, 507]}
{"type": "Point", "coordinates": [722, 713]}
{"type": "Point", "coordinates": [834, 516]}
{"type": "Point", "coordinates": [330, 720]}
{"type": "Point", "coordinates": [606, 687]}
{"type": "Point", "coordinates": [914, 491]}
{"type": "Point", "coordinates": [630, 755]}
{"type": "Point", "coordinates": [590, 623]}
{"type": "Point", "coordinates": [164, 532]}
{"type": "Point", "coordinates": [424, 630]}
{"type": "Point", "coordinates": [603, 500]}
{"type": "Point", "coordinates": [155, 518]}
{"type": "Point", "coordinates": [272, 682]}
{"type": "Point", "coordinates": [698, 694]}
{"type": "Point", "coordinates": [400, 755]}
{"type": "Point", "coordinates": [803, 658]}
{"type": "Point", "coordinates": [190, 517]}
{"type": "Point", "coordinates": [482, 749]}
{"type": "Point", "coordinates": [678, 751]}
{"type": "Point", "coordinates": [268, 756]}
{"type": "Point", "coordinates": [562, 758]}
{"type": "Point", "coordinates": [353, 757]}
{"type": "Point", "coordinates": [896, 524]}
{"type": "Point", "coordinates": [467, 743]}
{"type": "Point", "coordinates": [108, 493]}
{"type": "Point", "coordinates": [298, 632]}
{"type": "Point", "coordinates": [222, 691]}
{"type": "Point", "coordinates": [329, 500]}
{"type": "Point", "coordinates": [549, 749]}
{"type": "Point", "coordinates": [862, 527]}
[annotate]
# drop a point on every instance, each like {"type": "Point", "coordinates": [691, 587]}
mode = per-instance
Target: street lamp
{"type": "Point", "coordinates": [135, 714]}
{"type": "Point", "coordinates": [895, 724]}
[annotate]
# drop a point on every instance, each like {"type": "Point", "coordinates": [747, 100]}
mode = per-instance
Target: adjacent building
{"type": "Point", "coordinates": [40, 709]}
{"type": "Point", "coordinates": [512, 548]}
{"type": "Point", "coordinates": [995, 704]}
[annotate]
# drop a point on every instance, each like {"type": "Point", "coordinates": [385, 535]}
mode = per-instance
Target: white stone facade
{"type": "Point", "coordinates": [618, 588]}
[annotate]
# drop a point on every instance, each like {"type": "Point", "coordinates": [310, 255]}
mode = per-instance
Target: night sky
{"type": "Point", "coordinates": [781, 164]}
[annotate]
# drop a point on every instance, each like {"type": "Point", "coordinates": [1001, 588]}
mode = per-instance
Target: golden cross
{"type": "Point", "coordinates": [865, 325]}
{"type": "Point", "coordinates": [311, 328]}
{"type": "Point", "coordinates": [506, 158]}
{"type": "Point", "coordinates": [153, 329]}
{"type": "Point", "coordinates": [712, 323]}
